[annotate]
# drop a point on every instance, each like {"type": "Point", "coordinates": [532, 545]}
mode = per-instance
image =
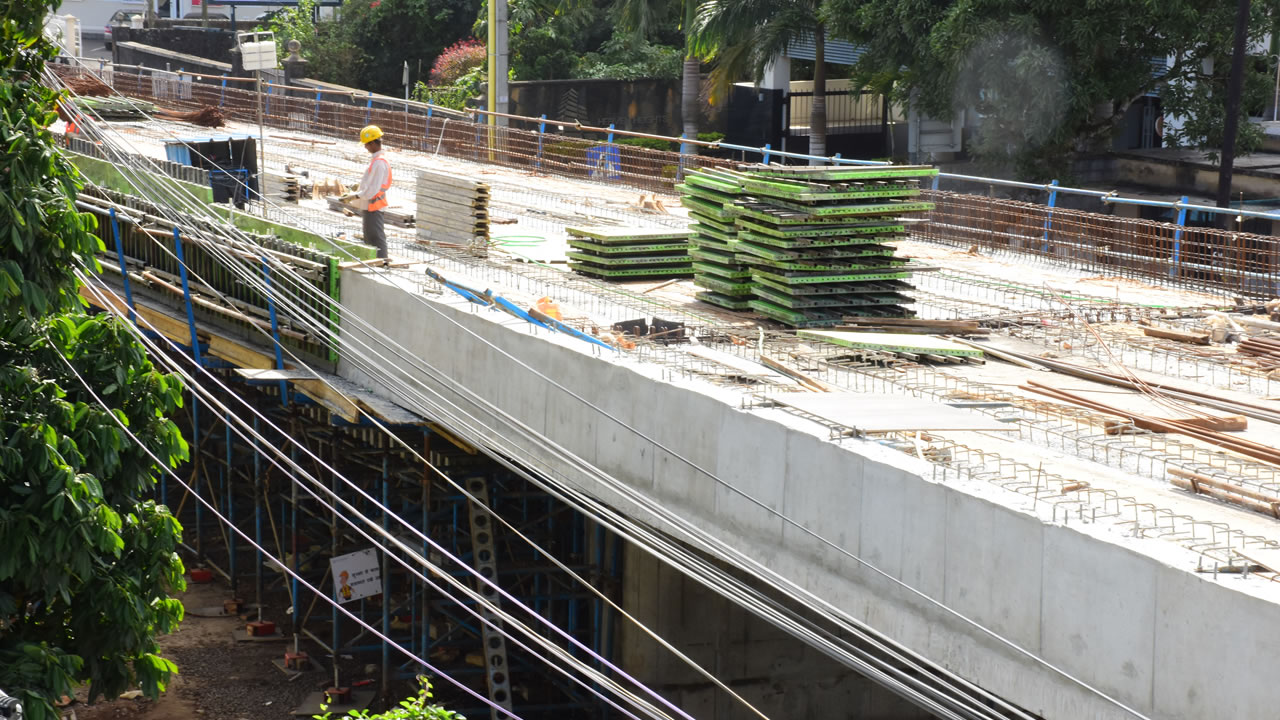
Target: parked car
{"type": "Point", "coordinates": [118, 18]}
{"type": "Point", "coordinates": [195, 15]}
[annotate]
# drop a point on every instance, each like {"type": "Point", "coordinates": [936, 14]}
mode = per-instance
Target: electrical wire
{"type": "Point", "coordinates": [789, 521]}
{"type": "Point", "coordinates": [647, 630]}
{"type": "Point", "coordinates": [295, 470]}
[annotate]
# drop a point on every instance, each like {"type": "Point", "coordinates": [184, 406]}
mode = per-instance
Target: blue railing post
{"type": "Point", "coordinates": [426, 129]}
{"type": "Point", "coordinates": [935, 180]}
{"type": "Point", "coordinates": [680, 166]}
{"type": "Point", "coordinates": [1177, 235]}
{"type": "Point", "coordinates": [368, 108]}
{"type": "Point", "coordinates": [610, 138]}
{"type": "Point", "coordinates": [542, 128]}
{"type": "Point", "coordinates": [767, 148]}
{"type": "Point", "coordinates": [186, 293]}
{"type": "Point", "coordinates": [275, 330]}
{"type": "Point", "coordinates": [1048, 218]}
{"type": "Point", "coordinates": [222, 99]}
{"type": "Point", "coordinates": [124, 269]}
{"type": "Point", "coordinates": [317, 115]}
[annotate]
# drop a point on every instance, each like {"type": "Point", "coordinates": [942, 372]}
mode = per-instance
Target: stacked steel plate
{"type": "Point", "coordinates": [816, 240]}
{"type": "Point", "coordinates": [709, 196]}
{"type": "Point", "coordinates": [619, 253]}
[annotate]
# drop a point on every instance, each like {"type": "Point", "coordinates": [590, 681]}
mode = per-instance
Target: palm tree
{"type": "Point", "coordinates": [744, 36]}
{"type": "Point", "coordinates": [639, 16]}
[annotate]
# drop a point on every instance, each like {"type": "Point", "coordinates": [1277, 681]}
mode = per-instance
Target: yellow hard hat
{"type": "Point", "coordinates": [369, 134]}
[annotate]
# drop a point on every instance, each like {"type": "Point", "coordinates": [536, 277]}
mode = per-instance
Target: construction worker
{"type": "Point", "coordinates": [372, 195]}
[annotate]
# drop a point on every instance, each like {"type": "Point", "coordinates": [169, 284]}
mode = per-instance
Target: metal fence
{"type": "Point", "coordinates": [412, 126]}
{"type": "Point", "coordinates": [1176, 255]}
{"type": "Point", "coordinates": [1195, 257]}
{"type": "Point", "coordinates": [848, 111]}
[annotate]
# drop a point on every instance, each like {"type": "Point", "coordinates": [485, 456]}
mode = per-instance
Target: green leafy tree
{"type": "Point", "coordinates": [325, 46]}
{"type": "Point", "coordinates": [626, 56]}
{"type": "Point", "coordinates": [367, 46]}
{"type": "Point", "coordinates": [90, 560]}
{"type": "Point", "coordinates": [744, 36]}
{"type": "Point", "coordinates": [1049, 79]}
{"type": "Point", "coordinates": [641, 17]}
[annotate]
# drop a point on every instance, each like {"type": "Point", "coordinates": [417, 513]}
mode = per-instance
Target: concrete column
{"type": "Point", "coordinates": [777, 74]}
{"type": "Point", "coordinates": [295, 66]}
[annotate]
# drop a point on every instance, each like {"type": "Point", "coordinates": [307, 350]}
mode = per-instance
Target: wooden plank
{"type": "Point", "coordinates": [1195, 338]}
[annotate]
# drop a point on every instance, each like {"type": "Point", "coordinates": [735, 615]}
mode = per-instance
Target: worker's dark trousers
{"type": "Point", "coordinates": [375, 232]}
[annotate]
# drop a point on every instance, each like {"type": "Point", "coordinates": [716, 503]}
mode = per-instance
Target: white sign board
{"type": "Point", "coordinates": [355, 576]}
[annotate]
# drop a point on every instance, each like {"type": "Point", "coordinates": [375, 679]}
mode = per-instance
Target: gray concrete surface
{"type": "Point", "coordinates": [1161, 639]}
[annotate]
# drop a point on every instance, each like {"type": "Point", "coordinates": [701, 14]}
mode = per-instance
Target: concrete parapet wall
{"type": "Point", "coordinates": [1163, 640]}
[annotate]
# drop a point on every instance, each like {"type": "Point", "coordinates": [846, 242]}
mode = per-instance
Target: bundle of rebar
{"type": "Point", "coordinates": [725, 282]}
{"type": "Point", "coordinates": [86, 86]}
{"type": "Point", "coordinates": [206, 116]}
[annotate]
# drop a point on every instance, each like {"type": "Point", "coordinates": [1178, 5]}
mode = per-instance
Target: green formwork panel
{"type": "Point", "coordinates": [706, 242]}
{"type": "Point", "coordinates": [868, 209]}
{"type": "Point", "coordinates": [628, 248]}
{"type": "Point", "coordinates": [772, 225]}
{"type": "Point", "coordinates": [708, 195]}
{"type": "Point", "coordinates": [789, 279]}
{"type": "Point", "coordinates": [710, 231]}
{"type": "Point", "coordinates": [709, 255]}
{"type": "Point", "coordinates": [706, 182]}
{"type": "Point", "coordinates": [878, 263]}
{"type": "Point", "coordinates": [611, 235]}
{"type": "Point", "coordinates": [818, 243]}
{"type": "Point", "coordinates": [612, 261]}
{"type": "Point", "coordinates": [701, 209]}
{"type": "Point", "coordinates": [882, 286]}
{"type": "Point", "coordinates": [805, 192]}
{"type": "Point", "coordinates": [724, 301]}
{"type": "Point", "coordinates": [744, 244]}
{"type": "Point", "coordinates": [724, 226]}
{"type": "Point", "coordinates": [633, 273]}
{"type": "Point", "coordinates": [815, 318]}
{"type": "Point", "coordinates": [724, 287]}
{"type": "Point", "coordinates": [844, 173]}
{"type": "Point", "coordinates": [731, 272]}
{"type": "Point", "coordinates": [794, 302]}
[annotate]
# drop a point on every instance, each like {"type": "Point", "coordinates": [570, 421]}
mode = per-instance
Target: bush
{"type": "Point", "coordinates": [456, 61]}
{"type": "Point", "coordinates": [650, 144]}
{"type": "Point", "coordinates": [711, 136]}
{"type": "Point", "coordinates": [453, 96]}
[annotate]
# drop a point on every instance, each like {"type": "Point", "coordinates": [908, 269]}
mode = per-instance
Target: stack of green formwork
{"type": "Point", "coordinates": [709, 196]}
{"type": "Point", "coordinates": [816, 240]}
{"type": "Point", "coordinates": [619, 253]}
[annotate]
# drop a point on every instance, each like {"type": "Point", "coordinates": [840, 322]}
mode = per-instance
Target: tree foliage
{"type": "Point", "coordinates": [90, 560]}
{"type": "Point", "coordinates": [457, 60]}
{"type": "Point", "coordinates": [369, 41]}
{"type": "Point", "coordinates": [743, 37]}
{"type": "Point", "coordinates": [1047, 79]}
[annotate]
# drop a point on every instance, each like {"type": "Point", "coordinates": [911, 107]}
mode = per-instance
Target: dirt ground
{"type": "Point", "coordinates": [218, 677]}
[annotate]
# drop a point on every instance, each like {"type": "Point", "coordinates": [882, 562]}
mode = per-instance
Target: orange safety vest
{"type": "Point", "coordinates": [379, 201]}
